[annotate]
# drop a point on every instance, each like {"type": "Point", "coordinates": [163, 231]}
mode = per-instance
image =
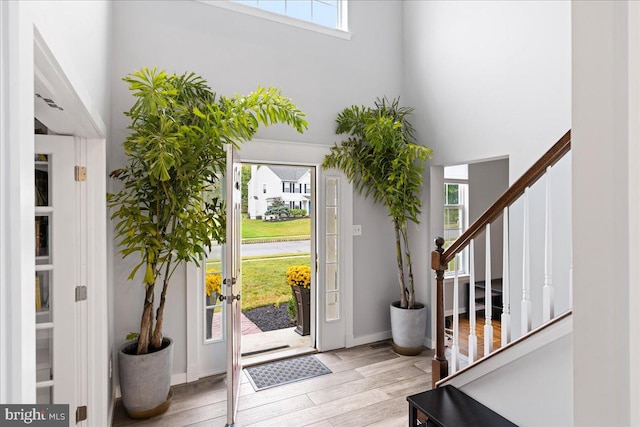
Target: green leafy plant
{"type": "Point", "coordinates": [278, 209]}
{"type": "Point", "coordinates": [176, 154]}
{"type": "Point", "coordinates": [292, 309]}
{"type": "Point", "coordinates": [382, 160]}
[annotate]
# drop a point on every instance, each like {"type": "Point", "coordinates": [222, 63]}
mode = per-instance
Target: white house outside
{"type": "Point", "coordinates": [291, 184]}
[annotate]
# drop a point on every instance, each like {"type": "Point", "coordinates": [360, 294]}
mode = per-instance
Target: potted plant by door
{"type": "Point", "coordinates": [382, 160]}
{"type": "Point", "coordinates": [163, 214]}
{"type": "Point", "coordinates": [299, 278]}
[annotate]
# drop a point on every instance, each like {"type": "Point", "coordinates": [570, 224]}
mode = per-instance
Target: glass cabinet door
{"type": "Point", "coordinates": [56, 270]}
{"type": "Point", "coordinates": [43, 275]}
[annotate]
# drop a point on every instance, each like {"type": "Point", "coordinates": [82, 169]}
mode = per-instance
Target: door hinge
{"type": "Point", "coordinates": [80, 173]}
{"type": "Point", "coordinates": [81, 293]}
{"type": "Point", "coordinates": [81, 414]}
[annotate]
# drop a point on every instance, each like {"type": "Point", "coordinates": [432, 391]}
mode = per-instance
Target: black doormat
{"type": "Point", "coordinates": [285, 372]}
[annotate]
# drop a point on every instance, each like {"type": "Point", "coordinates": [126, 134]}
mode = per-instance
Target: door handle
{"type": "Point", "coordinates": [229, 299]}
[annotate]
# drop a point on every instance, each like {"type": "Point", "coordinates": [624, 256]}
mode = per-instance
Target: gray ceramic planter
{"type": "Point", "coordinates": [145, 380]}
{"type": "Point", "coordinates": [408, 329]}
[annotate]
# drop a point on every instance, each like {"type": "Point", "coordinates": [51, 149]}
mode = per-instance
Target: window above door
{"type": "Point", "coordinates": [323, 16]}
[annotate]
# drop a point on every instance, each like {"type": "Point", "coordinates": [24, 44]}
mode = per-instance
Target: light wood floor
{"type": "Point", "coordinates": [368, 386]}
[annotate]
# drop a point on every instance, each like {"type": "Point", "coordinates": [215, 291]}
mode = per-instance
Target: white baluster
{"type": "Point", "coordinates": [473, 339]}
{"type": "Point", "coordinates": [548, 290]}
{"type": "Point", "coordinates": [488, 328]}
{"type": "Point", "coordinates": [525, 304]}
{"type": "Point", "coordinates": [453, 367]}
{"type": "Point", "coordinates": [505, 319]}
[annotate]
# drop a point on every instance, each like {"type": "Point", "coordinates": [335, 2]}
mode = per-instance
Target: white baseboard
{"type": "Point", "coordinates": [428, 342]}
{"type": "Point", "coordinates": [192, 373]}
{"type": "Point", "coordinates": [366, 339]}
{"type": "Point", "coordinates": [350, 341]}
{"type": "Point", "coordinates": [380, 336]}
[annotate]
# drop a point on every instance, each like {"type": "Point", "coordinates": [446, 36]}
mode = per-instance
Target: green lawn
{"type": "Point", "coordinates": [256, 228]}
{"type": "Point", "coordinates": [264, 278]}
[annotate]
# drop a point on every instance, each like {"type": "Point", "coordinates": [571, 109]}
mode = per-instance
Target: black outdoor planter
{"type": "Point", "coordinates": [303, 308]}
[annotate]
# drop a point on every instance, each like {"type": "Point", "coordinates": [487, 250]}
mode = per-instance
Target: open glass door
{"type": "Point", "coordinates": [233, 283]}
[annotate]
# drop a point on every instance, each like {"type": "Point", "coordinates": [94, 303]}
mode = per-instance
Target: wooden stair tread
{"type": "Point", "coordinates": [448, 406]}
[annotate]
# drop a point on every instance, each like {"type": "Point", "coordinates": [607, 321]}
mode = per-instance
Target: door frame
{"type": "Point", "coordinates": [310, 154]}
{"type": "Point", "coordinates": [313, 241]}
{"type": "Point", "coordinates": [262, 151]}
{"type": "Point", "coordinates": [25, 55]}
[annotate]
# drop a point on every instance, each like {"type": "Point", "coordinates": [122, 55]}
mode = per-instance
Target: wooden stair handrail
{"type": "Point", "coordinates": [533, 174]}
{"type": "Point", "coordinates": [440, 258]}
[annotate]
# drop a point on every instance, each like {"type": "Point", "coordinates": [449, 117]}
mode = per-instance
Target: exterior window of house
{"type": "Point", "coordinates": [307, 189]}
{"type": "Point", "coordinates": [456, 221]}
{"type": "Point", "coordinates": [328, 13]}
{"type": "Point", "coordinates": [264, 188]}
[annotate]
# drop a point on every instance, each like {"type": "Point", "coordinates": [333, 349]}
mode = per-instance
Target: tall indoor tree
{"type": "Point", "coordinates": [382, 160]}
{"type": "Point", "coordinates": [175, 153]}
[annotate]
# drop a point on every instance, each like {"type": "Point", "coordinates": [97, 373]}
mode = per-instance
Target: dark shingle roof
{"type": "Point", "coordinates": [288, 173]}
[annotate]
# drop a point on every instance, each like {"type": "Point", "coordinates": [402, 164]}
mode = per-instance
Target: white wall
{"type": "Point", "coordinates": [534, 390]}
{"type": "Point", "coordinates": [488, 80]}
{"type": "Point", "coordinates": [79, 34]}
{"type": "Point", "coordinates": [235, 53]}
{"type": "Point", "coordinates": [487, 182]}
{"type": "Point", "coordinates": [605, 204]}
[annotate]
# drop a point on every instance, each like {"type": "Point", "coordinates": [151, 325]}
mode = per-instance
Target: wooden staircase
{"type": "Point", "coordinates": [445, 404]}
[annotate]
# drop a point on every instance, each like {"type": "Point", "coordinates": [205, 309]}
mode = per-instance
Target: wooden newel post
{"type": "Point", "coordinates": [439, 364]}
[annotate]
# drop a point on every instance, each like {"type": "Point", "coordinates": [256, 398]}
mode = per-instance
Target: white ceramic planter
{"type": "Point", "coordinates": [408, 328]}
{"type": "Point", "coordinates": [145, 380]}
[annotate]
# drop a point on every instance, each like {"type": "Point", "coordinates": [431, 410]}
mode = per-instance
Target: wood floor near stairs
{"type": "Point", "coordinates": [368, 386]}
{"type": "Point", "coordinates": [463, 335]}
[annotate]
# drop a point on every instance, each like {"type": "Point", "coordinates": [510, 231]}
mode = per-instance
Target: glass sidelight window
{"type": "Point", "coordinates": [332, 250]}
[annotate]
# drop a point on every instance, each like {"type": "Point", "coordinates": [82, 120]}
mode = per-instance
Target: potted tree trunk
{"type": "Point", "coordinates": [382, 160]}
{"type": "Point", "coordinates": [162, 213]}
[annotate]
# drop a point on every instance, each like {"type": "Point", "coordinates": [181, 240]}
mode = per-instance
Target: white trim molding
{"type": "Point", "coordinates": [283, 19]}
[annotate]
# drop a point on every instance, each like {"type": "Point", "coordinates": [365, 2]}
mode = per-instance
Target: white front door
{"type": "Point", "coordinates": [233, 283]}
{"type": "Point", "coordinates": [60, 275]}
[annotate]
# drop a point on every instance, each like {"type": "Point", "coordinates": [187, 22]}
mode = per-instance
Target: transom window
{"type": "Point", "coordinates": [328, 13]}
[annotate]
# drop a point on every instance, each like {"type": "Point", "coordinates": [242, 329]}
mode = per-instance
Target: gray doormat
{"type": "Point", "coordinates": [285, 372]}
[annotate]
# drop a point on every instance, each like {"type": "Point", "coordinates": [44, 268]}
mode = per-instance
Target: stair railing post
{"type": "Point", "coordinates": [473, 339]}
{"type": "Point", "coordinates": [505, 318]}
{"type": "Point", "coordinates": [455, 346]}
{"type": "Point", "coordinates": [439, 364]}
{"type": "Point", "coordinates": [548, 290]}
{"type": "Point", "coordinates": [525, 303]}
{"type": "Point", "coordinates": [488, 295]}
